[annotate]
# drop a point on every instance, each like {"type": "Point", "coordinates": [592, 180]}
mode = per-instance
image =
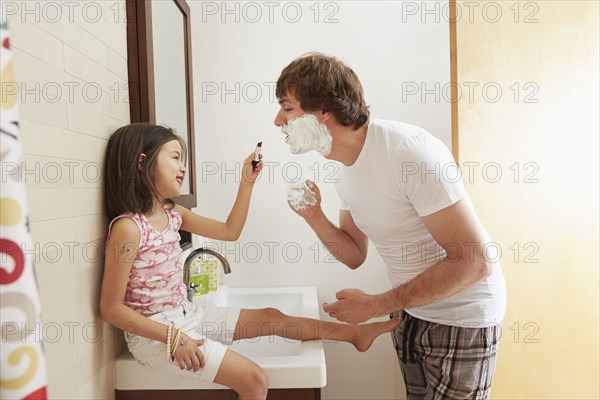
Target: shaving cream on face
{"type": "Point", "coordinates": [306, 133]}
{"type": "Point", "coordinates": [300, 195]}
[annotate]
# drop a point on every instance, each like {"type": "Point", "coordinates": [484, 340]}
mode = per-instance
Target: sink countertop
{"type": "Point", "coordinates": [288, 363]}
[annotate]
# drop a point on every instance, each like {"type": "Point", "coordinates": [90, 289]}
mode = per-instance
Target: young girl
{"type": "Point", "coordinates": [143, 292]}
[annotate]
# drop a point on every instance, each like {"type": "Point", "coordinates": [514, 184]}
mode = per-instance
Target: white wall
{"type": "Point", "coordinates": [70, 71]}
{"type": "Point", "coordinates": [239, 49]}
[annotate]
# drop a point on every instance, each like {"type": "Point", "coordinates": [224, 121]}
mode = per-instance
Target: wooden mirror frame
{"type": "Point", "coordinates": [454, 79]}
{"type": "Point", "coordinates": [142, 105]}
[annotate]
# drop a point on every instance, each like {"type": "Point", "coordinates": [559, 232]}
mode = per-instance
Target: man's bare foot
{"type": "Point", "coordinates": [366, 333]}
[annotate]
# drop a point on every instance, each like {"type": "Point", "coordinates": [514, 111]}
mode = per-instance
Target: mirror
{"type": "Point", "coordinates": [168, 43]}
{"type": "Point", "coordinates": [159, 59]}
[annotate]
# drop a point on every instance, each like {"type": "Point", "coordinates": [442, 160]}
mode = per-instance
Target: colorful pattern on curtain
{"type": "Point", "coordinates": [22, 361]}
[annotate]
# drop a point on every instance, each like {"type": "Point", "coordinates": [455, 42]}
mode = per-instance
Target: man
{"type": "Point", "coordinates": [400, 188]}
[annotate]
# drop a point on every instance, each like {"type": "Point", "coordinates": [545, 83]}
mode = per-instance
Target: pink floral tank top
{"type": "Point", "coordinates": [156, 278]}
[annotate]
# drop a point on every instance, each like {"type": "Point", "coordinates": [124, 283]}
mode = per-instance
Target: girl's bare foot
{"type": "Point", "coordinates": [366, 333]}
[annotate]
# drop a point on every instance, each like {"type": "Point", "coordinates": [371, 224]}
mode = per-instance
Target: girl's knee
{"type": "Point", "coordinates": [256, 383]}
{"type": "Point", "coordinates": [272, 313]}
{"type": "Point", "coordinates": [243, 375]}
{"type": "Point", "coordinates": [260, 379]}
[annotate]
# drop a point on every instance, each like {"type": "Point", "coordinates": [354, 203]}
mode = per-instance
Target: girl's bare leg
{"type": "Point", "coordinates": [244, 376]}
{"type": "Point", "coordinates": [270, 321]}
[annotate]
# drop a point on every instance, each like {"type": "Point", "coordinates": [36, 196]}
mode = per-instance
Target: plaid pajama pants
{"type": "Point", "coordinates": [445, 362]}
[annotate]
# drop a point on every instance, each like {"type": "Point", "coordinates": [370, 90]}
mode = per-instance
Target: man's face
{"type": "Point", "coordinates": [289, 108]}
{"type": "Point", "coordinates": [303, 130]}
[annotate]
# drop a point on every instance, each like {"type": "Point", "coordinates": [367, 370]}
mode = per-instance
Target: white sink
{"type": "Point", "coordinates": [268, 346]}
{"type": "Point", "coordinates": [288, 363]}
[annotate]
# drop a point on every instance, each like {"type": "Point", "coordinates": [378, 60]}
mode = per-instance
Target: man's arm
{"type": "Point", "coordinates": [458, 230]}
{"type": "Point", "coordinates": [346, 243]}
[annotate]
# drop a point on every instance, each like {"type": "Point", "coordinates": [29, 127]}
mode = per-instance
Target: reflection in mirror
{"type": "Point", "coordinates": [168, 41]}
{"type": "Point", "coordinates": [159, 58]}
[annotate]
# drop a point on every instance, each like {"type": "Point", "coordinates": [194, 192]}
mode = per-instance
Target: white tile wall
{"type": "Point", "coordinates": [30, 38]}
{"type": "Point", "coordinates": [43, 139]}
{"type": "Point", "coordinates": [64, 141]}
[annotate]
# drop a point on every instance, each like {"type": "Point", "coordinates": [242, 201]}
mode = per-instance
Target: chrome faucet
{"type": "Point", "coordinates": [190, 259]}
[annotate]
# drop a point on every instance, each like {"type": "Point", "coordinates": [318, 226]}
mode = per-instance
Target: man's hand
{"type": "Point", "coordinates": [353, 306]}
{"type": "Point", "coordinates": [310, 212]}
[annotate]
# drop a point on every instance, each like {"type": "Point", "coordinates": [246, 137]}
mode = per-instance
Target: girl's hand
{"type": "Point", "coordinates": [249, 173]}
{"type": "Point", "coordinates": [188, 355]}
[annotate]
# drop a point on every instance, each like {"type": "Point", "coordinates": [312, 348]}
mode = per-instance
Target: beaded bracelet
{"type": "Point", "coordinates": [175, 343]}
{"type": "Point", "coordinates": [169, 333]}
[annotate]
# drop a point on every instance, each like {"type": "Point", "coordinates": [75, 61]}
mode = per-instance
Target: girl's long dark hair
{"type": "Point", "coordinates": [129, 182]}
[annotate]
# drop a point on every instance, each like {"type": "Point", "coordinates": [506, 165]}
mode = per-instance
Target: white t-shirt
{"type": "Point", "coordinates": [401, 174]}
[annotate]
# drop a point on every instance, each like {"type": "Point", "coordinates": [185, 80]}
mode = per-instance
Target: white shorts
{"type": "Point", "coordinates": [215, 325]}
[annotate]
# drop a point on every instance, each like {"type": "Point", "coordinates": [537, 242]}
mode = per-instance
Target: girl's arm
{"type": "Point", "coordinates": [232, 228]}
